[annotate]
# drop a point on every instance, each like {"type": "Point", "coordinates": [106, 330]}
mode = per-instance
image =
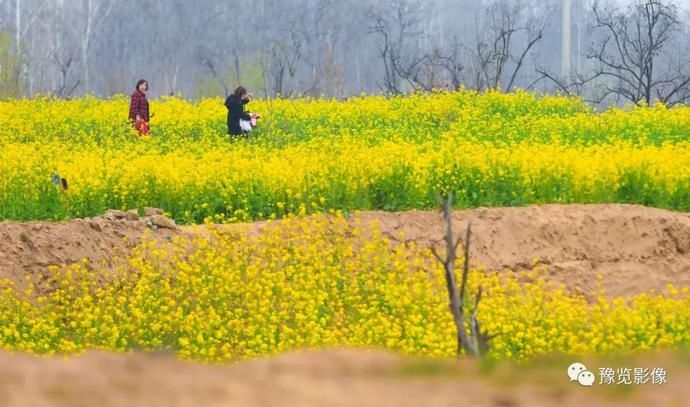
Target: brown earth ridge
{"type": "Point", "coordinates": [324, 378]}
{"type": "Point", "coordinates": [633, 248]}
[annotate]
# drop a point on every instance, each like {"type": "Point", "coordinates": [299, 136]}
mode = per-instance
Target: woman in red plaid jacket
{"type": "Point", "coordinates": [139, 107]}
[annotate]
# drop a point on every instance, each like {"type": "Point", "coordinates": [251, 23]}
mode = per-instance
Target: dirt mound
{"type": "Point", "coordinates": [28, 249]}
{"type": "Point", "coordinates": [324, 378]}
{"type": "Point", "coordinates": [634, 249]}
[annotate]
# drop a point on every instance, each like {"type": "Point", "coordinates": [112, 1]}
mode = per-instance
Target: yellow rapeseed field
{"type": "Point", "coordinates": [315, 282]}
{"type": "Point", "coordinates": [364, 153]}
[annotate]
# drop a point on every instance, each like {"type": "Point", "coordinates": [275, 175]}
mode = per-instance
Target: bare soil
{"type": "Point", "coordinates": [634, 249]}
{"type": "Point", "coordinates": [323, 378]}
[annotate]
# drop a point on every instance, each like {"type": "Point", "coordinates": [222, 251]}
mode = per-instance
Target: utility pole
{"type": "Point", "coordinates": [18, 23]}
{"type": "Point", "coordinates": [579, 17]}
{"type": "Point", "coordinates": [565, 45]}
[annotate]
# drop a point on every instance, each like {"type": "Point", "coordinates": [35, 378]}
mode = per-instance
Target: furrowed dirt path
{"type": "Point", "coordinates": [633, 248]}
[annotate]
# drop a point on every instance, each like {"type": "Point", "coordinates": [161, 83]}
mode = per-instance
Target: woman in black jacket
{"type": "Point", "coordinates": [235, 104]}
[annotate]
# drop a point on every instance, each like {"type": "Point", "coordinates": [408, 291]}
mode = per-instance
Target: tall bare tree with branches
{"type": "Point", "coordinates": [629, 57]}
{"type": "Point", "coordinates": [400, 28]}
{"type": "Point", "coordinates": [508, 34]}
{"type": "Point", "coordinates": [397, 26]}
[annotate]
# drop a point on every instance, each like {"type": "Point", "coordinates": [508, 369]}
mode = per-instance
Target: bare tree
{"type": "Point", "coordinates": [68, 84]}
{"type": "Point", "coordinates": [500, 51]}
{"type": "Point", "coordinates": [634, 55]}
{"type": "Point", "coordinates": [451, 64]}
{"type": "Point", "coordinates": [330, 77]}
{"type": "Point", "coordinates": [285, 60]}
{"type": "Point", "coordinates": [397, 24]}
{"type": "Point", "coordinates": [212, 61]}
{"type": "Point", "coordinates": [26, 14]}
{"type": "Point", "coordinates": [572, 85]}
{"type": "Point", "coordinates": [314, 40]}
{"type": "Point", "coordinates": [64, 53]}
{"type": "Point", "coordinates": [404, 48]}
{"type": "Point", "coordinates": [219, 51]}
{"type": "Point", "coordinates": [176, 54]}
{"type": "Point", "coordinates": [338, 48]}
{"type": "Point", "coordinates": [475, 342]}
{"type": "Point", "coordinates": [94, 14]}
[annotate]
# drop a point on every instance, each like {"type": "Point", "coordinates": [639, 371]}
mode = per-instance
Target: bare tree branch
{"type": "Point", "coordinates": [474, 343]}
{"type": "Point", "coordinates": [507, 36]}
{"type": "Point", "coordinates": [630, 54]}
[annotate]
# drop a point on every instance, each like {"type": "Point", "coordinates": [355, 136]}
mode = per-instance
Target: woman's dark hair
{"type": "Point", "coordinates": [239, 92]}
{"type": "Point", "coordinates": [141, 82]}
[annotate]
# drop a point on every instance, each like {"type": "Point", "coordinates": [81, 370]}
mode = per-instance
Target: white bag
{"type": "Point", "coordinates": [245, 125]}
